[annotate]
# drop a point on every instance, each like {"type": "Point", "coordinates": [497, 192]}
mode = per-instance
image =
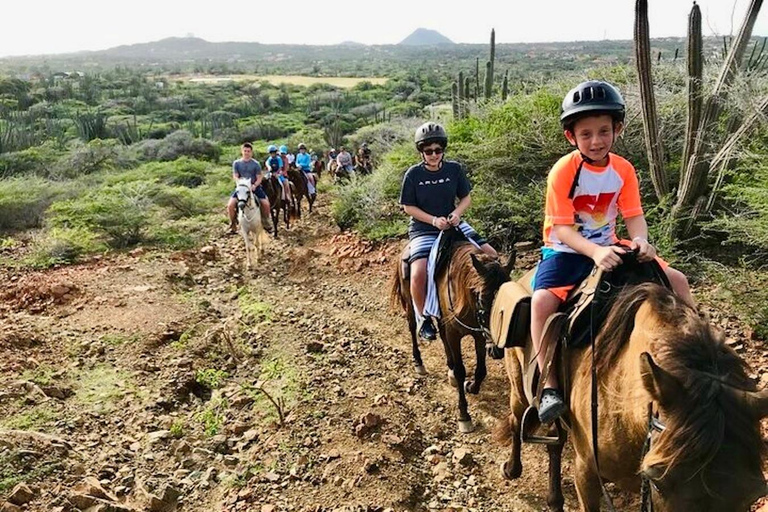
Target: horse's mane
{"type": "Point", "coordinates": [465, 281]}
{"type": "Point", "coordinates": [695, 354]}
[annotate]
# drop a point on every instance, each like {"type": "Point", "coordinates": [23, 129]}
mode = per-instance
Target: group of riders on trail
{"type": "Point", "coordinates": [586, 190]}
{"type": "Point", "coordinates": [340, 163]}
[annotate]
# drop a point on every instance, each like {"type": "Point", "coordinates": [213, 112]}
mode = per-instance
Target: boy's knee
{"type": "Point", "coordinates": [544, 302]}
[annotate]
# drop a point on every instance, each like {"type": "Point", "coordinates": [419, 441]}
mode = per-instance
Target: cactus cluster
{"type": "Point", "coordinates": [701, 157]}
{"type": "Point", "coordinates": [461, 91]}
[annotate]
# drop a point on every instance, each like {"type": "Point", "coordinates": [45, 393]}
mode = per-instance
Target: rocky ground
{"type": "Point", "coordinates": [155, 381]}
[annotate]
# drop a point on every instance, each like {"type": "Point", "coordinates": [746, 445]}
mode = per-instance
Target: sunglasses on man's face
{"type": "Point", "coordinates": [436, 151]}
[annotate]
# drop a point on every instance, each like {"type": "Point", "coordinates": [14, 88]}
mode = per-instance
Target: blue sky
{"type": "Point", "coordinates": [44, 26]}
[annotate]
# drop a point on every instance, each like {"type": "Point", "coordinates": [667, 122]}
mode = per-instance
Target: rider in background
{"type": "Point", "coordinates": [276, 166]}
{"type": "Point", "coordinates": [247, 167]}
{"type": "Point", "coordinates": [363, 159]}
{"type": "Point", "coordinates": [586, 190]}
{"type": "Point", "coordinates": [317, 164]}
{"type": "Point", "coordinates": [435, 193]}
{"type": "Point", "coordinates": [288, 158]}
{"type": "Point", "coordinates": [332, 154]}
{"type": "Point", "coordinates": [344, 161]}
{"type": "Point", "coordinates": [304, 163]}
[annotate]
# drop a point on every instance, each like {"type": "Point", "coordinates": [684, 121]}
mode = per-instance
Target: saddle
{"type": "Point", "coordinates": [578, 319]}
{"type": "Point", "coordinates": [444, 252]}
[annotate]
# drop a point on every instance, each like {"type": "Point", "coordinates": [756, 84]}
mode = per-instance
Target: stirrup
{"type": "Point", "coordinates": [530, 424]}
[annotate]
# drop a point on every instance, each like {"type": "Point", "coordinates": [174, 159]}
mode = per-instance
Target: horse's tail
{"type": "Point", "coordinates": [504, 430]}
{"type": "Point", "coordinates": [398, 300]}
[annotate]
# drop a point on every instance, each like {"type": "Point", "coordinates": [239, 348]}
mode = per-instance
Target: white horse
{"type": "Point", "coordinates": [249, 220]}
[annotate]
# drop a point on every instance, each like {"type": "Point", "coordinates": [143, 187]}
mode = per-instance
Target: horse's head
{"type": "Point", "coordinates": [708, 456]}
{"type": "Point", "coordinates": [243, 192]}
{"type": "Point", "coordinates": [492, 275]}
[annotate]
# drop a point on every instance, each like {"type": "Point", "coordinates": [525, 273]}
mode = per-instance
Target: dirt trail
{"type": "Point", "coordinates": [143, 373]}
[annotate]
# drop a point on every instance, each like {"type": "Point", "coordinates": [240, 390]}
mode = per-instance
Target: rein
{"type": "Point", "coordinates": [654, 425]}
{"type": "Point", "coordinates": [479, 313]}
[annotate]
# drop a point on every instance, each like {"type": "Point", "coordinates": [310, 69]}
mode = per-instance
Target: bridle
{"type": "Point", "coordinates": [479, 314]}
{"type": "Point", "coordinates": [655, 425]}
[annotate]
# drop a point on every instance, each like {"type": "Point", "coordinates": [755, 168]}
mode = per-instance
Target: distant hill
{"type": "Point", "coordinates": [425, 37]}
{"type": "Point", "coordinates": [351, 43]}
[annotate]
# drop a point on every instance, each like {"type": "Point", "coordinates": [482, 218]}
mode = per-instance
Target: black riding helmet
{"type": "Point", "coordinates": [592, 97]}
{"type": "Point", "coordinates": [429, 133]}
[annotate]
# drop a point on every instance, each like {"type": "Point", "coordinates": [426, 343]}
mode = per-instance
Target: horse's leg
{"type": "Point", "coordinates": [275, 213]}
{"type": "Point", "coordinates": [510, 429]}
{"type": "Point", "coordinates": [473, 385]}
{"type": "Point", "coordinates": [460, 373]}
{"type": "Point", "coordinates": [555, 498]}
{"type": "Point", "coordinates": [244, 232]}
{"type": "Point", "coordinates": [448, 355]}
{"type": "Point", "coordinates": [587, 486]}
{"type": "Point", "coordinates": [412, 329]}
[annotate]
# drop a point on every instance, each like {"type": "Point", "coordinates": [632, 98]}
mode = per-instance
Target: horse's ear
{"type": "Point", "coordinates": [755, 401]}
{"type": "Point", "coordinates": [510, 265]}
{"type": "Point", "coordinates": [477, 264]}
{"type": "Point", "coordinates": [662, 386]}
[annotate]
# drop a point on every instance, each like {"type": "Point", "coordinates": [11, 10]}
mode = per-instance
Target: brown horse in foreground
{"type": "Point", "coordinates": [473, 279]}
{"type": "Point", "coordinates": [654, 349]}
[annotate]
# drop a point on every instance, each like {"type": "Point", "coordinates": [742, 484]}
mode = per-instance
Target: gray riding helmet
{"type": "Point", "coordinates": [429, 133]}
{"type": "Point", "coordinates": [592, 97]}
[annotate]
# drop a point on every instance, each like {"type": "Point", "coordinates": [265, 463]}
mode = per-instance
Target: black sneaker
{"type": "Point", "coordinates": [551, 405]}
{"type": "Point", "coordinates": [428, 331]}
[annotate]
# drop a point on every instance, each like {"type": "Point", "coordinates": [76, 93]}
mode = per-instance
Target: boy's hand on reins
{"type": "Point", "coordinates": [608, 258]}
{"type": "Point", "coordinates": [645, 251]}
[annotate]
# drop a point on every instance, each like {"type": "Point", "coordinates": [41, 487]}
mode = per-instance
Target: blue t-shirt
{"type": "Point", "coordinates": [434, 192]}
{"type": "Point", "coordinates": [246, 169]}
{"type": "Point", "coordinates": [274, 163]}
{"type": "Point", "coordinates": [304, 161]}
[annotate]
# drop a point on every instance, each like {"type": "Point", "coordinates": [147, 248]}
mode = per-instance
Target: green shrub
{"type": "Point", "coordinates": [179, 143]}
{"type": "Point", "coordinates": [63, 246]}
{"type": "Point", "coordinates": [23, 201]}
{"type": "Point", "coordinates": [121, 214]}
{"type": "Point", "coordinates": [85, 158]}
{"type": "Point", "coordinates": [36, 160]}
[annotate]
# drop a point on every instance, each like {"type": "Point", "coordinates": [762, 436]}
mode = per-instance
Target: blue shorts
{"type": "Point", "coordinates": [307, 171]}
{"type": "Point", "coordinates": [559, 272]}
{"type": "Point", "coordinates": [259, 192]}
{"type": "Point", "coordinates": [421, 243]}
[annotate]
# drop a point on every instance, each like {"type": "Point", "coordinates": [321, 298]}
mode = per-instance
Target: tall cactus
{"type": "Point", "coordinates": [462, 96]}
{"type": "Point", "coordinates": [477, 78]}
{"type": "Point", "coordinates": [647, 99]}
{"type": "Point", "coordinates": [488, 78]}
{"type": "Point", "coordinates": [695, 70]}
{"type": "Point", "coordinates": [455, 100]}
{"type": "Point", "coordinates": [693, 179]}
{"type": "Point", "coordinates": [467, 83]}
{"type": "Point", "coordinates": [505, 86]}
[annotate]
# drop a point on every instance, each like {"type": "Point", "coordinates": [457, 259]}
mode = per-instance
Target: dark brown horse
{"type": "Point", "coordinates": [274, 191]}
{"type": "Point", "coordinates": [300, 189]}
{"type": "Point", "coordinates": [466, 289]}
{"type": "Point", "coordinates": [656, 351]}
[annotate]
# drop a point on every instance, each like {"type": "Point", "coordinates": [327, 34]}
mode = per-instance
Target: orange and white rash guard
{"type": "Point", "coordinates": [600, 194]}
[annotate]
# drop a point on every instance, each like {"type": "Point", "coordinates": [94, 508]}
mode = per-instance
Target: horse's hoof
{"type": "Point", "coordinates": [466, 426]}
{"type": "Point", "coordinates": [510, 474]}
{"type": "Point", "coordinates": [452, 379]}
{"type": "Point", "coordinates": [469, 387]}
{"type": "Point", "coordinates": [420, 369]}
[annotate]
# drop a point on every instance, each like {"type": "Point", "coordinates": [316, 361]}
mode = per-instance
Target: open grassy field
{"type": "Point", "coordinates": [337, 81]}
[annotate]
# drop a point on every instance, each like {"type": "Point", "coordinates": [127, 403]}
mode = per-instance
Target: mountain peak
{"type": "Point", "coordinates": [425, 37]}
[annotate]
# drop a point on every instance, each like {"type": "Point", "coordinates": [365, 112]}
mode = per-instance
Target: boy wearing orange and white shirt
{"type": "Point", "coordinates": [586, 190]}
